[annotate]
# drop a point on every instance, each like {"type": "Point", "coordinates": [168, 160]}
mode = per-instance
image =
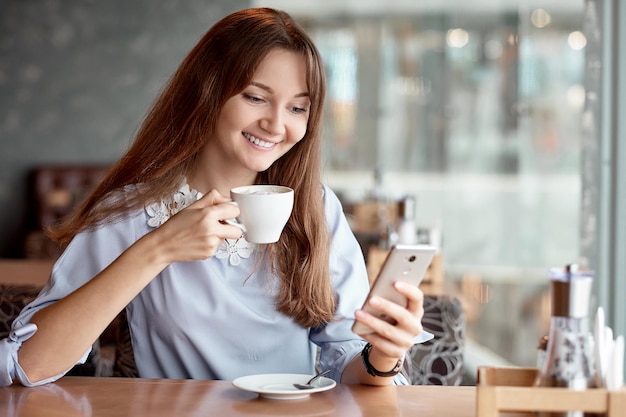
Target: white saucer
{"type": "Point", "coordinates": [280, 386]}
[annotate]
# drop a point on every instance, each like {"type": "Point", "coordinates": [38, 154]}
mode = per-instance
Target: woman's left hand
{"type": "Point", "coordinates": [392, 341]}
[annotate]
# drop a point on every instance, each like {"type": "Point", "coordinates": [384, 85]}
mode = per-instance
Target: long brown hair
{"type": "Point", "coordinates": [182, 119]}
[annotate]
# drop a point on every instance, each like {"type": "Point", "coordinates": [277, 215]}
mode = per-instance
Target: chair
{"type": "Point", "coordinates": [54, 191]}
{"type": "Point", "coordinates": [124, 365]}
{"type": "Point", "coordinates": [440, 360]}
{"type": "Point", "coordinates": [13, 298]}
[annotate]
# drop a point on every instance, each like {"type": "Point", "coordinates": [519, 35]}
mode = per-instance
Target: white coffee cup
{"type": "Point", "coordinates": [264, 211]}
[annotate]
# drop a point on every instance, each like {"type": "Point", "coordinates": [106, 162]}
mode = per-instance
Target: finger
{"type": "Point", "coordinates": [395, 312]}
{"type": "Point", "coordinates": [406, 324]}
{"type": "Point", "coordinates": [213, 218]}
{"type": "Point", "coordinates": [231, 232]}
{"type": "Point", "coordinates": [216, 207]}
{"type": "Point", "coordinates": [386, 347]}
{"type": "Point", "coordinates": [211, 198]}
{"type": "Point", "coordinates": [414, 296]}
{"type": "Point", "coordinates": [389, 340]}
{"type": "Point", "coordinates": [205, 218]}
{"type": "Point", "coordinates": [390, 331]}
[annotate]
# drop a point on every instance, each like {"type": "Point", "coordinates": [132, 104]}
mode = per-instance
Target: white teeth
{"type": "Point", "coordinates": [258, 141]}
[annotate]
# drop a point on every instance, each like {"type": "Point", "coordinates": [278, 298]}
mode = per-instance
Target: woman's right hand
{"type": "Point", "coordinates": [196, 232]}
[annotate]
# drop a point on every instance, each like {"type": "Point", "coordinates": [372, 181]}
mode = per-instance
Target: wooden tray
{"type": "Point", "coordinates": [511, 390]}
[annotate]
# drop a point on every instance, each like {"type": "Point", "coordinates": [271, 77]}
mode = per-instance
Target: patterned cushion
{"type": "Point", "coordinates": [13, 298]}
{"type": "Point", "coordinates": [124, 365]}
{"type": "Point", "coordinates": [440, 360]}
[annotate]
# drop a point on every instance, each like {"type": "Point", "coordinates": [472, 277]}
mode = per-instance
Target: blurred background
{"type": "Point", "coordinates": [473, 110]}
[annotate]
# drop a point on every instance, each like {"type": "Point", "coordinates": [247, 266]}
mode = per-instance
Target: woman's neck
{"type": "Point", "coordinates": [205, 181]}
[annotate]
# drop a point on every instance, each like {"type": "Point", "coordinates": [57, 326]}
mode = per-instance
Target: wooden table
{"type": "Point", "coordinates": [102, 397]}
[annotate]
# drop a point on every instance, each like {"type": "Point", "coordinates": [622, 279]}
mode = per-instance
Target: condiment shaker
{"type": "Point", "coordinates": [569, 355]}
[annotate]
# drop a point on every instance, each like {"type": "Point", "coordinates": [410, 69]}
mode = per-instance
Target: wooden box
{"type": "Point", "coordinates": [374, 216]}
{"type": "Point", "coordinates": [511, 390]}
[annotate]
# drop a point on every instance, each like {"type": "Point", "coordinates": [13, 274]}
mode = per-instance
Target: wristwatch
{"type": "Point", "coordinates": [365, 355]}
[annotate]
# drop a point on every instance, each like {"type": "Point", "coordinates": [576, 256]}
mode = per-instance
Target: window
{"type": "Point", "coordinates": [476, 113]}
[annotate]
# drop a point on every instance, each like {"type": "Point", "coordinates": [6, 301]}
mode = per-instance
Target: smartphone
{"type": "Point", "coordinates": [406, 263]}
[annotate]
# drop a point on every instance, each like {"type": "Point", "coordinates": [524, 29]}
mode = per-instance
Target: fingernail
{"type": "Point", "coordinates": [375, 301]}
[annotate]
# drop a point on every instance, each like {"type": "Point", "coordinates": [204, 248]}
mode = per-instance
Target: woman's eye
{"type": "Point", "coordinates": [299, 110]}
{"type": "Point", "coordinates": [253, 99]}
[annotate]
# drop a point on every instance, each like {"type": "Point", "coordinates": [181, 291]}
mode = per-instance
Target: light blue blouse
{"type": "Point", "coordinates": [210, 319]}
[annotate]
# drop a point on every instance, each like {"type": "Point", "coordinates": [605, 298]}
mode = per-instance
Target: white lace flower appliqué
{"type": "Point", "coordinates": [160, 212]}
{"type": "Point", "coordinates": [234, 250]}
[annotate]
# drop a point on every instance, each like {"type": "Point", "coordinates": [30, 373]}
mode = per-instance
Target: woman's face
{"type": "Point", "coordinates": [265, 120]}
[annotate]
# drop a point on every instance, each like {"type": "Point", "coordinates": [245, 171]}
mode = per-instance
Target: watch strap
{"type": "Point", "coordinates": [365, 356]}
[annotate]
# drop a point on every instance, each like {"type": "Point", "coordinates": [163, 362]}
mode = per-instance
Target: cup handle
{"type": "Point", "coordinates": [234, 222]}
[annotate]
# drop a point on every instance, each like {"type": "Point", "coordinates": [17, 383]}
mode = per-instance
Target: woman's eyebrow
{"type": "Point", "coordinates": [269, 89]}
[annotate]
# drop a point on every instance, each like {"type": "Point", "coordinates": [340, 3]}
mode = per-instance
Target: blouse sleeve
{"type": "Point", "coordinates": [87, 255]}
{"type": "Point", "coordinates": [338, 344]}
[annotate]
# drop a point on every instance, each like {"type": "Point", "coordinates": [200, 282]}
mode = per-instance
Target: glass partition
{"type": "Point", "coordinates": [476, 114]}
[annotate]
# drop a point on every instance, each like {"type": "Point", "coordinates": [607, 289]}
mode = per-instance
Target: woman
{"type": "Point", "coordinates": [244, 107]}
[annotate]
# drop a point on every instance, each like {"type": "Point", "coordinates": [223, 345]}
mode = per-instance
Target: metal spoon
{"type": "Point", "coordinates": [309, 383]}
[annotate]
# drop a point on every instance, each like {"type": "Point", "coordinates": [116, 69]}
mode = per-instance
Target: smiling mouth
{"type": "Point", "coordinates": [257, 141]}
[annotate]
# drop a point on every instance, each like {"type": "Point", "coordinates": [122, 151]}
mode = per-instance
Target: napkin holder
{"type": "Point", "coordinates": [511, 390]}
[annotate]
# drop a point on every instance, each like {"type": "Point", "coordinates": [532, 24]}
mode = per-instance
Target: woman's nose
{"type": "Point", "coordinates": [272, 122]}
